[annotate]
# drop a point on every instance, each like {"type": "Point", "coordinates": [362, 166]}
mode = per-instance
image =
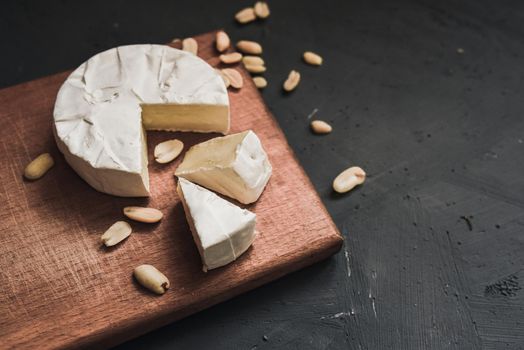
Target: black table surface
{"type": "Point", "coordinates": [426, 96]}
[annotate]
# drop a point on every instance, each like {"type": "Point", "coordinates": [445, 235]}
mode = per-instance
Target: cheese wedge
{"type": "Point", "coordinates": [234, 165]}
{"type": "Point", "coordinates": [104, 106]}
{"type": "Point", "coordinates": [222, 231]}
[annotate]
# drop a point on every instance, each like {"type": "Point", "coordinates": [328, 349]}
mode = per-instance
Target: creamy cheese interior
{"type": "Point", "coordinates": [234, 165]}
{"type": "Point", "coordinates": [217, 152]}
{"type": "Point", "coordinates": [189, 117]}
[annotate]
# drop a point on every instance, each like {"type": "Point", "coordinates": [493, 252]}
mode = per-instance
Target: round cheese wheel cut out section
{"type": "Point", "coordinates": [104, 107]}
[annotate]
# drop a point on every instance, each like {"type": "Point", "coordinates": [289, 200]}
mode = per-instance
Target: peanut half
{"type": "Point", "coordinates": [190, 45]}
{"type": "Point", "coordinates": [312, 58]}
{"type": "Point", "coordinates": [262, 9]}
{"type": "Point", "coordinates": [39, 166]}
{"type": "Point", "coordinates": [119, 231]}
{"type": "Point", "coordinates": [167, 151]}
{"type": "Point", "coordinates": [230, 58]}
{"type": "Point", "coordinates": [348, 179]}
{"type": "Point", "coordinates": [222, 41]}
{"type": "Point", "coordinates": [224, 78]}
{"type": "Point", "coordinates": [260, 82]}
{"type": "Point", "coordinates": [255, 68]}
{"type": "Point", "coordinates": [149, 276]}
{"type": "Point", "coordinates": [141, 214]}
{"type": "Point", "coordinates": [292, 81]}
{"type": "Point", "coordinates": [320, 127]}
{"type": "Point", "coordinates": [249, 47]}
{"type": "Point", "coordinates": [234, 77]}
{"type": "Point", "coordinates": [253, 60]}
{"type": "Point", "coordinates": [246, 15]}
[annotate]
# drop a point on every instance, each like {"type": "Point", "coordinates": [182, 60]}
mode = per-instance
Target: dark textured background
{"type": "Point", "coordinates": [440, 133]}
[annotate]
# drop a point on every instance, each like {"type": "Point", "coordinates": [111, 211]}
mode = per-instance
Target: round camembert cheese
{"type": "Point", "coordinates": [104, 106]}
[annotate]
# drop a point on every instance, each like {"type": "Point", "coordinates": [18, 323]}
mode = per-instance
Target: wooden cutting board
{"type": "Point", "coordinates": [59, 288]}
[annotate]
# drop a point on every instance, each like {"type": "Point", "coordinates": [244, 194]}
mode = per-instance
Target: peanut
{"type": "Point", "coordinates": [224, 78]}
{"type": "Point", "coordinates": [292, 81]}
{"type": "Point", "coordinates": [312, 58]}
{"type": "Point", "coordinates": [234, 77]}
{"type": "Point", "coordinates": [348, 179]}
{"type": "Point", "coordinates": [222, 41]}
{"type": "Point", "coordinates": [149, 276]}
{"type": "Point", "coordinates": [320, 127]}
{"type": "Point", "coordinates": [249, 47]}
{"type": "Point", "coordinates": [190, 45]}
{"type": "Point", "coordinates": [141, 214]}
{"type": "Point", "coordinates": [260, 82]}
{"type": "Point", "coordinates": [253, 60]}
{"type": "Point", "coordinates": [119, 231]}
{"type": "Point", "coordinates": [230, 58]}
{"type": "Point", "coordinates": [255, 68]}
{"type": "Point", "coordinates": [246, 15]}
{"type": "Point", "coordinates": [167, 151]}
{"type": "Point", "coordinates": [39, 166]}
{"type": "Point", "coordinates": [262, 9]}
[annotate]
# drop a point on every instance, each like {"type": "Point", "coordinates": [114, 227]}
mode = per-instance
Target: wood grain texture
{"type": "Point", "coordinates": [59, 288]}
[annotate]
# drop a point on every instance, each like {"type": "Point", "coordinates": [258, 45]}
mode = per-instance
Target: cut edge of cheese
{"type": "Point", "coordinates": [235, 165]}
{"type": "Point", "coordinates": [221, 230]}
{"type": "Point", "coordinates": [189, 117]}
